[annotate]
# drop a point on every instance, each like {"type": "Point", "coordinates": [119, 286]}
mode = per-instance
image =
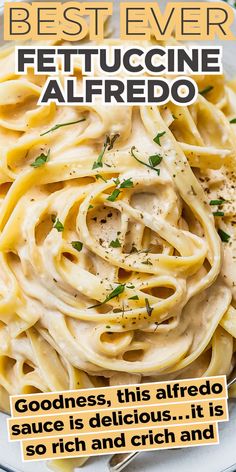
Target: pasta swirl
{"type": "Point", "coordinates": [117, 243]}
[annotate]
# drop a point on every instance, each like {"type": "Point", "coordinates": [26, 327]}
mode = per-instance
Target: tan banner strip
{"type": "Point", "coordinates": [117, 420]}
{"type": "Point", "coordinates": [118, 397]}
{"type": "Point", "coordinates": [127, 441]}
{"type": "Point", "coordinates": [73, 21]}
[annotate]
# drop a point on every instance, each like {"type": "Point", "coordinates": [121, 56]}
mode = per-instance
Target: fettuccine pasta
{"type": "Point", "coordinates": [118, 238]}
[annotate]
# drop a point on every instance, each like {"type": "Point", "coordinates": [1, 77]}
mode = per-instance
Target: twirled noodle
{"type": "Point", "coordinates": [111, 266]}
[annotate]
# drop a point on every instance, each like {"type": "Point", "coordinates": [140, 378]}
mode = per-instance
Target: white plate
{"type": "Point", "coordinates": [217, 458]}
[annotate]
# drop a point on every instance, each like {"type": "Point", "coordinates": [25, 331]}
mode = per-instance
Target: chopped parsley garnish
{"type": "Point", "coordinates": [57, 224]}
{"type": "Point", "coordinates": [112, 141]}
{"type": "Point", "coordinates": [108, 327]}
{"type": "Point", "coordinates": [148, 307]}
{"type": "Point", "coordinates": [147, 262]}
{"type": "Point", "coordinates": [223, 236]}
{"type": "Point", "coordinates": [98, 162]}
{"type": "Point", "coordinates": [193, 191]}
{"type": "Point", "coordinates": [115, 293]}
{"type": "Point", "coordinates": [60, 125]}
{"type": "Point", "coordinates": [114, 195]}
{"type": "Point", "coordinates": [158, 136]}
{"type": "Point", "coordinates": [157, 324]}
{"type": "Point", "coordinates": [233, 120]}
{"type": "Point", "coordinates": [217, 202]}
{"type": "Point", "coordinates": [141, 162]}
{"type": "Point", "coordinates": [155, 160]}
{"type": "Point", "coordinates": [90, 207]}
{"type": "Point", "coordinates": [117, 181]}
{"type": "Point", "coordinates": [41, 160]}
{"type": "Point", "coordinates": [127, 184]}
{"type": "Point", "coordinates": [99, 176]}
{"type": "Point", "coordinates": [135, 297]}
{"type": "Point", "coordinates": [133, 249]}
{"type": "Point", "coordinates": [77, 245]}
{"type": "Point", "coordinates": [207, 89]}
{"type": "Point", "coordinates": [218, 213]}
{"type": "Point", "coordinates": [108, 144]}
{"type": "Point", "coordinates": [115, 243]}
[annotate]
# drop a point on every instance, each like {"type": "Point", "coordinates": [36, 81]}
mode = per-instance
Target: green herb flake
{"type": "Point", "coordinates": [217, 202]}
{"type": "Point", "coordinates": [127, 184]}
{"type": "Point", "coordinates": [90, 207]}
{"type": "Point", "coordinates": [108, 144]}
{"type": "Point", "coordinates": [147, 262]}
{"type": "Point", "coordinates": [115, 194]}
{"type": "Point", "coordinates": [148, 307]}
{"type": "Point", "coordinates": [233, 120]}
{"type": "Point", "coordinates": [135, 297]}
{"type": "Point", "coordinates": [77, 245]}
{"type": "Point", "coordinates": [133, 250]}
{"type": "Point", "coordinates": [157, 324]}
{"type": "Point", "coordinates": [60, 125]}
{"type": "Point", "coordinates": [57, 224]}
{"type": "Point", "coordinates": [115, 293]}
{"type": "Point", "coordinates": [98, 162]}
{"type": "Point", "coordinates": [218, 213]}
{"type": "Point", "coordinates": [158, 136]}
{"type": "Point", "coordinates": [112, 141]}
{"type": "Point", "coordinates": [117, 182]}
{"type": "Point", "coordinates": [108, 327]}
{"type": "Point", "coordinates": [115, 243]}
{"type": "Point", "coordinates": [155, 160]}
{"type": "Point", "coordinates": [207, 89]}
{"type": "Point", "coordinates": [41, 160]}
{"type": "Point", "coordinates": [99, 176]}
{"type": "Point", "coordinates": [193, 191]}
{"type": "Point", "coordinates": [223, 236]}
{"type": "Point", "coordinates": [141, 162]}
